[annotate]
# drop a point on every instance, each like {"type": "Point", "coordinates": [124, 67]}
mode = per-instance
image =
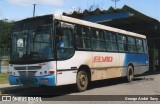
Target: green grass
{"type": "Point", "coordinates": [3, 78]}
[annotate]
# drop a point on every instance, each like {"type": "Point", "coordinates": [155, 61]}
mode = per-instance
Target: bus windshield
{"type": "Point", "coordinates": [32, 44]}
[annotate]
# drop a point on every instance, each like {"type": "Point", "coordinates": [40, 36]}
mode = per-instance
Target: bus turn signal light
{"type": "Point", "coordinates": [51, 72]}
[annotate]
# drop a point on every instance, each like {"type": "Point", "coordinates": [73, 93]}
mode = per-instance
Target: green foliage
{"type": "Point", "coordinates": [5, 33]}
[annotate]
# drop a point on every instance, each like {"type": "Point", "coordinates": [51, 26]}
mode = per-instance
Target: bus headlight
{"type": "Point", "coordinates": [10, 73]}
{"type": "Point", "coordinates": [41, 73]}
{"type": "Point", "coordinates": [45, 72]}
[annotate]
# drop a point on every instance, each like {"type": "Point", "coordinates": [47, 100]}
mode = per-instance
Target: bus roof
{"type": "Point", "coordinates": [95, 25]}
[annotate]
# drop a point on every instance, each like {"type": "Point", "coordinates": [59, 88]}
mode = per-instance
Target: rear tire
{"type": "Point", "coordinates": [130, 74]}
{"type": "Point", "coordinates": [82, 80]}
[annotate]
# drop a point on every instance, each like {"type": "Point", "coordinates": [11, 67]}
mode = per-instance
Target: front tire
{"type": "Point", "coordinates": [130, 74]}
{"type": "Point", "coordinates": [82, 80]}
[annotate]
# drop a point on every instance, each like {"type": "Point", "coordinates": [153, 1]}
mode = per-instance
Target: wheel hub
{"type": "Point", "coordinates": [82, 80]}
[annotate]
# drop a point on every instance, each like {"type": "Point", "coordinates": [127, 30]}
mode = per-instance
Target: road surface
{"type": "Point", "coordinates": [99, 90]}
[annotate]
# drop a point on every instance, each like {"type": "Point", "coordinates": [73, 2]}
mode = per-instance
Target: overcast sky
{"type": "Point", "coordinates": [20, 9]}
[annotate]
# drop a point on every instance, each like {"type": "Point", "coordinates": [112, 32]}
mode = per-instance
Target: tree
{"type": "Point", "coordinates": [5, 33]}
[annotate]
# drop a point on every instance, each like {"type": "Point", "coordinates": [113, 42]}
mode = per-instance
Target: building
{"type": "Point", "coordinates": [128, 19]}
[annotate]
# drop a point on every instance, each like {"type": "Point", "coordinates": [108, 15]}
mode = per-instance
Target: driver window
{"type": "Point", "coordinates": [64, 40]}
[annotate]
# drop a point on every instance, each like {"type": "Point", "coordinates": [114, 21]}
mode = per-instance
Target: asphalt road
{"type": "Point", "coordinates": [98, 91]}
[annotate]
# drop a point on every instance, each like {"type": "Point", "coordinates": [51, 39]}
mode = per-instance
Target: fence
{"type": "Point", "coordinates": [4, 60]}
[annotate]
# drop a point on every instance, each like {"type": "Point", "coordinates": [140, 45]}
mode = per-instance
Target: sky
{"type": "Point", "coordinates": [21, 9]}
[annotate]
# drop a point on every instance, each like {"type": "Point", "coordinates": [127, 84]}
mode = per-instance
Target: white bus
{"type": "Point", "coordinates": [56, 50]}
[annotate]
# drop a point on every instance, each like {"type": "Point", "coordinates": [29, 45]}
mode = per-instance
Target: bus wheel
{"type": "Point", "coordinates": [130, 74]}
{"type": "Point", "coordinates": [82, 80]}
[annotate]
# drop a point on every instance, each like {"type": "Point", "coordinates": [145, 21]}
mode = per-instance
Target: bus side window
{"type": "Point", "coordinates": [82, 38]}
{"type": "Point", "coordinates": [111, 41]}
{"type": "Point", "coordinates": [94, 42]}
{"type": "Point", "coordinates": [131, 45]}
{"type": "Point", "coordinates": [98, 42]}
{"type": "Point", "coordinates": [140, 47]}
{"type": "Point", "coordinates": [145, 46]}
{"type": "Point", "coordinates": [122, 43]}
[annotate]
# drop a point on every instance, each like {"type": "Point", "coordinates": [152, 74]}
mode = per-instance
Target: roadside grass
{"type": "Point", "coordinates": [3, 78]}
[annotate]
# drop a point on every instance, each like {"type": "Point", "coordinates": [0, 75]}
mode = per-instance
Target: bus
{"type": "Point", "coordinates": [54, 50]}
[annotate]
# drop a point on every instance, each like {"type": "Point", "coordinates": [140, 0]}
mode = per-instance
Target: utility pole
{"type": "Point", "coordinates": [34, 7]}
{"type": "Point", "coordinates": [115, 2]}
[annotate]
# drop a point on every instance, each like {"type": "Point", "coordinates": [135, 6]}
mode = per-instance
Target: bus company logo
{"type": "Point", "coordinates": [102, 59]}
{"type": "Point", "coordinates": [6, 98]}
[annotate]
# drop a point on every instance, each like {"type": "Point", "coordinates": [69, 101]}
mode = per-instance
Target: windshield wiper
{"type": "Point", "coordinates": [37, 55]}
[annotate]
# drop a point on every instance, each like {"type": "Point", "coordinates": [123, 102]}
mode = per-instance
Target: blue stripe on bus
{"type": "Point", "coordinates": [36, 80]}
{"type": "Point", "coordinates": [139, 59]}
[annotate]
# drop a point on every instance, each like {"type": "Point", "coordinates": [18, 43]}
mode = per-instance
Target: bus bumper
{"type": "Point", "coordinates": [48, 80]}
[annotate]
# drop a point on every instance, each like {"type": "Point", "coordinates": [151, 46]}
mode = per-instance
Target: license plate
{"type": "Point", "coordinates": [44, 80]}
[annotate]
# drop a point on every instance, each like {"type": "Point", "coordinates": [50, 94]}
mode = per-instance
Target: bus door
{"type": "Point", "coordinates": [65, 52]}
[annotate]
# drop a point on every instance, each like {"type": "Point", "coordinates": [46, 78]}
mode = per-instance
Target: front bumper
{"type": "Point", "coordinates": [48, 80]}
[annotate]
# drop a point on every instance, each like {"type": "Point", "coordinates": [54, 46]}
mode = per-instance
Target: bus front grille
{"type": "Point", "coordinates": [34, 67]}
{"type": "Point", "coordinates": [28, 68]}
{"type": "Point", "coordinates": [20, 68]}
{"type": "Point", "coordinates": [27, 73]}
